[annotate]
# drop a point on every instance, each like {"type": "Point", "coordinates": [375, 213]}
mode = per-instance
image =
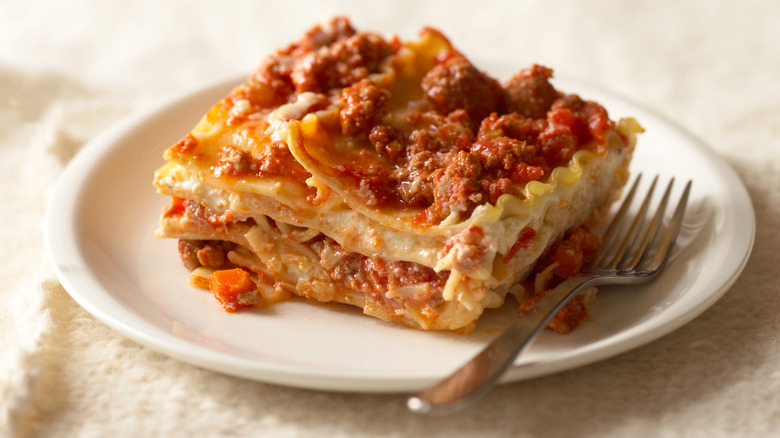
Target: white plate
{"type": "Point", "coordinates": [99, 236]}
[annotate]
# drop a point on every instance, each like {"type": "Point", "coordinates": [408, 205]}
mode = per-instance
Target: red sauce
{"type": "Point", "coordinates": [524, 240]}
{"type": "Point", "coordinates": [175, 208]}
{"type": "Point", "coordinates": [185, 146]}
{"type": "Point", "coordinates": [577, 248]}
{"type": "Point", "coordinates": [373, 185]}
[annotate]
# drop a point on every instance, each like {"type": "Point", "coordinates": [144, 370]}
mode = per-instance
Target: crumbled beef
{"type": "Point", "coordinates": [415, 186]}
{"type": "Point", "coordinates": [530, 93]}
{"type": "Point", "coordinates": [336, 29]}
{"type": "Point", "coordinates": [587, 119]}
{"type": "Point", "coordinates": [505, 157]}
{"type": "Point", "coordinates": [364, 107]}
{"type": "Point", "coordinates": [276, 160]}
{"type": "Point", "coordinates": [431, 131]}
{"type": "Point", "coordinates": [456, 187]}
{"type": "Point", "coordinates": [430, 159]}
{"type": "Point", "coordinates": [558, 144]}
{"type": "Point", "coordinates": [233, 161]}
{"type": "Point", "coordinates": [212, 256]}
{"type": "Point", "coordinates": [188, 252]}
{"type": "Point", "coordinates": [387, 141]}
{"type": "Point", "coordinates": [341, 64]}
{"type": "Point", "coordinates": [210, 253]}
{"type": "Point", "coordinates": [513, 125]}
{"type": "Point", "coordinates": [467, 249]}
{"type": "Point", "coordinates": [376, 276]}
{"type": "Point", "coordinates": [456, 84]}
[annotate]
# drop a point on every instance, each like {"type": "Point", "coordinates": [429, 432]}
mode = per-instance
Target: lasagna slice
{"type": "Point", "coordinates": [393, 176]}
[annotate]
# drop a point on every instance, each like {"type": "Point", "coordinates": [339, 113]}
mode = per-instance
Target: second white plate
{"type": "Point", "coordinates": [99, 235]}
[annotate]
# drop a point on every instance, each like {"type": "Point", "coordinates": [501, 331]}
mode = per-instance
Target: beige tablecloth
{"type": "Point", "coordinates": [70, 69]}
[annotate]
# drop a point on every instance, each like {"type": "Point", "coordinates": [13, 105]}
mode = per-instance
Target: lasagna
{"type": "Point", "coordinates": [394, 176]}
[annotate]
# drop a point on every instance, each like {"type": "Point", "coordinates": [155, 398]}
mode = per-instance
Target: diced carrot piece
{"type": "Point", "coordinates": [228, 283]}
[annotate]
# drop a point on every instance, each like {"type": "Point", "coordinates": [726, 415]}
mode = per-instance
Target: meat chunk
{"type": "Point", "coordinates": [336, 29]}
{"type": "Point", "coordinates": [188, 252]}
{"type": "Point", "coordinates": [341, 64]}
{"type": "Point", "coordinates": [456, 189]}
{"type": "Point", "coordinates": [468, 249]}
{"type": "Point", "coordinates": [375, 275]}
{"type": "Point", "coordinates": [210, 253]}
{"type": "Point", "coordinates": [364, 107]}
{"type": "Point", "coordinates": [276, 160]}
{"type": "Point", "coordinates": [387, 141]}
{"type": "Point", "coordinates": [212, 256]}
{"type": "Point", "coordinates": [456, 83]}
{"type": "Point", "coordinates": [512, 125]}
{"type": "Point", "coordinates": [530, 93]}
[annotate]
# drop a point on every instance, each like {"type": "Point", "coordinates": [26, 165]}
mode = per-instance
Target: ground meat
{"type": "Point", "coordinates": [494, 189]}
{"type": "Point", "coordinates": [449, 171]}
{"type": "Point", "coordinates": [233, 161]}
{"type": "Point", "coordinates": [587, 119]}
{"type": "Point", "coordinates": [204, 216]}
{"type": "Point", "coordinates": [577, 248]}
{"type": "Point", "coordinates": [456, 188]}
{"type": "Point", "coordinates": [340, 65]}
{"type": "Point", "coordinates": [432, 143]}
{"type": "Point", "coordinates": [212, 256]}
{"type": "Point", "coordinates": [529, 92]}
{"type": "Point", "coordinates": [467, 248]}
{"type": "Point", "coordinates": [557, 144]}
{"type": "Point", "coordinates": [430, 131]}
{"type": "Point", "coordinates": [446, 169]}
{"type": "Point", "coordinates": [431, 159]}
{"type": "Point", "coordinates": [364, 106]}
{"type": "Point", "coordinates": [456, 84]}
{"type": "Point", "coordinates": [272, 85]}
{"type": "Point", "coordinates": [387, 141]}
{"type": "Point", "coordinates": [375, 187]}
{"type": "Point", "coordinates": [188, 252]}
{"type": "Point", "coordinates": [415, 187]}
{"type": "Point", "coordinates": [275, 161]}
{"type": "Point", "coordinates": [376, 276]}
{"type": "Point", "coordinates": [210, 253]}
{"type": "Point", "coordinates": [278, 160]}
{"type": "Point", "coordinates": [512, 125]}
{"type": "Point", "coordinates": [570, 316]}
{"type": "Point", "coordinates": [509, 158]}
{"type": "Point", "coordinates": [336, 29]}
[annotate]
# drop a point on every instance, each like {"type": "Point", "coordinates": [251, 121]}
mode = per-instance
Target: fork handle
{"type": "Point", "coordinates": [481, 373]}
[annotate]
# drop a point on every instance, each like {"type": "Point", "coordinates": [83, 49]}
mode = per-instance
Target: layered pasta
{"type": "Point", "coordinates": [393, 176]}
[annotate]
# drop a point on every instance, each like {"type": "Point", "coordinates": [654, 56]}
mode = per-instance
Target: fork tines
{"type": "Point", "coordinates": [641, 247]}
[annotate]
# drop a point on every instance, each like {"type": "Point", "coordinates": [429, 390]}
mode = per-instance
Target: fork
{"type": "Point", "coordinates": [626, 257]}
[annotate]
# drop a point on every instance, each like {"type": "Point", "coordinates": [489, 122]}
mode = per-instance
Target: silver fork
{"type": "Point", "coordinates": [626, 257]}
